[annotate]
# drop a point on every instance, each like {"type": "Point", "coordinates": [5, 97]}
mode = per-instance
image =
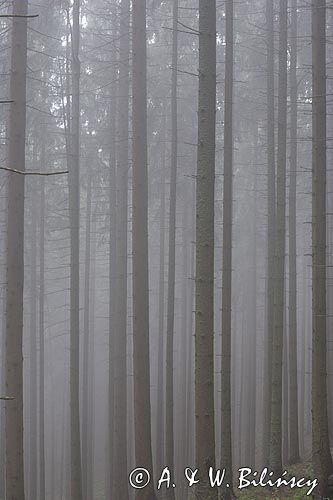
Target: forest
{"type": "Point", "coordinates": [166, 250]}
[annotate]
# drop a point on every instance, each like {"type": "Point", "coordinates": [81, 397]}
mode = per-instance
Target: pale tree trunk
{"type": "Point", "coordinates": [277, 354]}
{"type": "Point", "coordinates": [120, 389]}
{"type": "Point", "coordinates": [293, 383]}
{"type": "Point", "coordinates": [204, 273]}
{"type": "Point", "coordinates": [91, 382]}
{"type": "Point", "coordinates": [321, 455]}
{"type": "Point", "coordinates": [141, 365]}
{"type": "Point", "coordinates": [33, 346]}
{"type": "Point", "coordinates": [250, 431]}
{"type": "Point", "coordinates": [41, 334]}
{"type": "Point", "coordinates": [169, 406]}
{"type": "Point", "coordinates": [74, 205]}
{"type": "Point", "coordinates": [267, 403]}
{"type": "Point", "coordinates": [226, 446]}
{"type": "Point", "coordinates": [15, 257]}
{"type": "Point", "coordinates": [86, 369]}
{"type": "Point", "coordinates": [160, 438]}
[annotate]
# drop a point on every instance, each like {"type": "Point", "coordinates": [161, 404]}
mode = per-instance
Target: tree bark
{"type": "Point", "coordinates": [321, 455]}
{"type": "Point", "coordinates": [141, 365]}
{"type": "Point", "coordinates": [15, 257]}
{"type": "Point", "coordinates": [226, 445]}
{"type": "Point", "coordinates": [293, 382]}
{"type": "Point", "coordinates": [169, 417]}
{"type": "Point", "coordinates": [271, 198]}
{"type": "Point", "coordinates": [204, 274]}
{"type": "Point", "coordinates": [74, 206]}
{"type": "Point", "coordinates": [120, 390]}
{"type": "Point", "coordinates": [277, 354]}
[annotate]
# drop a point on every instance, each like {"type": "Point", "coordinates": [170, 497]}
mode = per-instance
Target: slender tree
{"type": "Point", "coordinates": [74, 208]}
{"type": "Point", "coordinates": [226, 447]}
{"type": "Point", "coordinates": [120, 390]}
{"type": "Point", "coordinates": [321, 455]}
{"type": "Point", "coordinates": [141, 366]}
{"type": "Point", "coordinates": [271, 198]}
{"type": "Point", "coordinates": [15, 257]}
{"type": "Point", "coordinates": [204, 272]}
{"type": "Point", "coordinates": [169, 420]}
{"type": "Point", "coordinates": [277, 354]}
{"type": "Point", "coordinates": [293, 383]}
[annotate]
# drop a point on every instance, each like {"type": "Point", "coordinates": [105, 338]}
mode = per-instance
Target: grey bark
{"type": "Point", "coordinates": [204, 272]}
{"type": "Point", "coordinates": [293, 382]}
{"type": "Point", "coordinates": [74, 208]}
{"type": "Point", "coordinates": [169, 406]}
{"type": "Point", "coordinates": [271, 198]}
{"type": "Point", "coordinates": [321, 454]}
{"type": "Point", "coordinates": [120, 332]}
{"type": "Point", "coordinates": [226, 429]}
{"type": "Point", "coordinates": [141, 366]}
{"type": "Point", "coordinates": [277, 354]}
{"type": "Point", "coordinates": [15, 257]}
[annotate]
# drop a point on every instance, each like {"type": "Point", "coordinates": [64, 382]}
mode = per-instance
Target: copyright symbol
{"type": "Point", "coordinates": [139, 478]}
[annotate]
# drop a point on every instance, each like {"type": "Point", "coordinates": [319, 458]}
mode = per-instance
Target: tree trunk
{"type": "Point", "coordinates": [169, 417]}
{"type": "Point", "coordinates": [277, 354]}
{"type": "Point", "coordinates": [86, 344]}
{"type": "Point", "coordinates": [160, 438]}
{"type": "Point", "coordinates": [41, 334]}
{"type": "Point", "coordinates": [321, 455]}
{"type": "Point", "coordinates": [293, 383]}
{"type": "Point", "coordinates": [267, 402]}
{"type": "Point", "coordinates": [33, 345]}
{"type": "Point", "coordinates": [226, 445]}
{"type": "Point", "coordinates": [204, 275]}
{"type": "Point", "coordinates": [74, 205]}
{"type": "Point", "coordinates": [15, 256]}
{"type": "Point", "coordinates": [120, 389]}
{"type": "Point", "coordinates": [141, 365]}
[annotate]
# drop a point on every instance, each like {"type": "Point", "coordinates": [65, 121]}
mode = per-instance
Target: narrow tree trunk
{"type": "Point", "coordinates": [141, 365]}
{"type": "Point", "coordinates": [277, 354]}
{"type": "Point", "coordinates": [160, 438]}
{"type": "Point", "coordinates": [293, 383]}
{"type": "Point", "coordinates": [267, 402]}
{"type": "Point", "coordinates": [120, 390]}
{"type": "Point", "coordinates": [226, 446]}
{"type": "Point", "coordinates": [169, 418]}
{"type": "Point", "coordinates": [41, 334]}
{"type": "Point", "coordinates": [33, 347]}
{"type": "Point", "coordinates": [204, 275]}
{"type": "Point", "coordinates": [86, 344]}
{"type": "Point", "coordinates": [74, 205]}
{"type": "Point", "coordinates": [15, 257]}
{"type": "Point", "coordinates": [321, 455]}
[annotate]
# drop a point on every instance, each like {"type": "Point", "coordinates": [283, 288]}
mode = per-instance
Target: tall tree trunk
{"type": "Point", "coordinates": [226, 446]}
{"type": "Point", "coordinates": [267, 402]}
{"type": "Point", "coordinates": [141, 364]}
{"type": "Point", "coordinates": [321, 455]}
{"type": "Point", "coordinates": [120, 390]}
{"type": "Point", "coordinates": [169, 418]}
{"type": "Point", "coordinates": [74, 205]}
{"type": "Point", "coordinates": [41, 334]}
{"type": "Point", "coordinates": [15, 256]}
{"type": "Point", "coordinates": [277, 354]}
{"type": "Point", "coordinates": [293, 384]}
{"type": "Point", "coordinates": [86, 344]}
{"type": "Point", "coordinates": [160, 438]}
{"type": "Point", "coordinates": [204, 274]}
{"type": "Point", "coordinates": [33, 346]}
{"type": "Point", "coordinates": [111, 478]}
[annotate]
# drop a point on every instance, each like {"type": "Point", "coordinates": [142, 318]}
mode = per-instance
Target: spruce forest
{"type": "Point", "coordinates": [166, 249]}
